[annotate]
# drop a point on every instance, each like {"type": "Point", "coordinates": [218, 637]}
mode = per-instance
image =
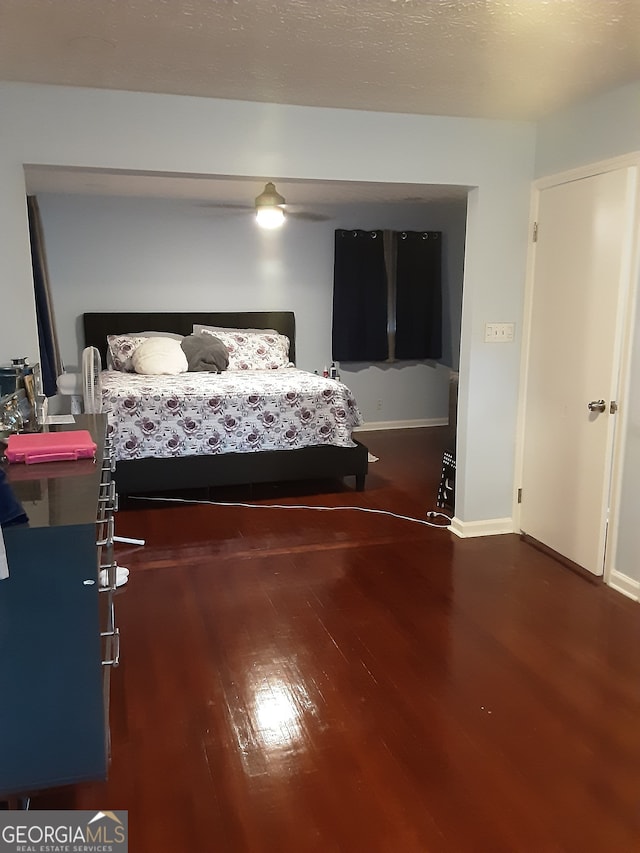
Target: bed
{"type": "Point", "coordinates": [190, 463]}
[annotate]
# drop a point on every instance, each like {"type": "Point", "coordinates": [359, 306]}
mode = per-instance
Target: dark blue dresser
{"type": "Point", "coordinates": [53, 622]}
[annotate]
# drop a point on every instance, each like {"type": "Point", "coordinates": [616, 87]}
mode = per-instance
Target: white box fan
{"type": "Point", "coordinates": [91, 383]}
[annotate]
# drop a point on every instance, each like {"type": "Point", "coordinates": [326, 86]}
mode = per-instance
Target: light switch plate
{"type": "Point", "coordinates": [499, 333]}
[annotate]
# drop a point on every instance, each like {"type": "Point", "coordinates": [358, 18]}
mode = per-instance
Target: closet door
{"type": "Point", "coordinates": [581, 279]}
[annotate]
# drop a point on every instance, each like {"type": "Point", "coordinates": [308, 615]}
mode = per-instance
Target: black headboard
{"type": "Point", "coordinates": [97, 325]}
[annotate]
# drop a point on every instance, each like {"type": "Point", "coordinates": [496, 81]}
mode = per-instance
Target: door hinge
{"type": "Point", "coordinates": [535, 232]}
{"type": "Point", "coordinates": [519, 496]}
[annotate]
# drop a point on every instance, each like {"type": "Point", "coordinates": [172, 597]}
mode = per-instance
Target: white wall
{"type": "Point", "coordinates": [135, 254]}
{"type": "Point", "coordinates": [597, 129]}
{"type": "Point", "coordinates": [124, 130]}
{"type": "Point", "coordinates": [605, 127]}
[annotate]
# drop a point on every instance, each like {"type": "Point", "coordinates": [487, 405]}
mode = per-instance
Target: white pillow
{"type": "Point", "coordinates": [159, 356]}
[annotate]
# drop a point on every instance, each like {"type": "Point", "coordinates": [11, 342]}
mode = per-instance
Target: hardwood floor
{"type": "Point", "coordinates": [298, 680]}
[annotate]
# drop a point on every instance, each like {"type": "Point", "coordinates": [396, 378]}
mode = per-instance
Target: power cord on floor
{"type": "Point", "coordinates": [302, 506]}
{"type": "Point", "coordinates": [433, 514]}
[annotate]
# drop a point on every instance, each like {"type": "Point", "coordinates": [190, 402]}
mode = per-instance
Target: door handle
{"type": "Point", "coordinates": [597, 406]}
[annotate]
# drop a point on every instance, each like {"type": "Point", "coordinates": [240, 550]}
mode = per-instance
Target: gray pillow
{"type": "Point", "coordinates": [205, 352]}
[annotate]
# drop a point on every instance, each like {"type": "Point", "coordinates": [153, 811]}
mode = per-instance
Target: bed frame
{"type": "Point", "coordinates": [226, 469]}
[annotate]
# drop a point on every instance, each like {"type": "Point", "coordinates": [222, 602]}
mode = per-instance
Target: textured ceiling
{"type": "Point", "coordinates": [519, 59]}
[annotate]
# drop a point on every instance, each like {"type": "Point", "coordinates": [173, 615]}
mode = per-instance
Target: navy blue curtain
{"type": "Point", "coordinates": [418, 295]}
{"type": "Point", "coordinates": [387, 295]}
{"type": "Point", "coordinates": [359, 297]}
{"type": "Point", "coordinates": [50, 362]}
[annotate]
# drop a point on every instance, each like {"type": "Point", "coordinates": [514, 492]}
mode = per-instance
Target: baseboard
{"type": "Point", "coordinates": [488, 527]}
{"type": "Point", "coordinates": [413, 424]}
{"type": "Point", "coordinates": [624, 584]}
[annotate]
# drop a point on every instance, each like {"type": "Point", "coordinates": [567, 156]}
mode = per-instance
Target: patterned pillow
{"type": "Point", "coordinates": [254, 350]}
{"type": "Point", "coordinates": [198, 329]}
{"type": "Point", "coordinates": [121, 348]}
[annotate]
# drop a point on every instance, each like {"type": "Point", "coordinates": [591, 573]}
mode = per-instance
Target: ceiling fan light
{"type": "Point", "coordinates": [269, 197]}
{"type": "Point", "coordinates": [270, 217]}
{"type": "Point", "coordinates": [269, 210]}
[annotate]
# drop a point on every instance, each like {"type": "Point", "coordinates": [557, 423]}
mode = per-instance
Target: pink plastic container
{"type": "Point", "coordinates": [32, 448]}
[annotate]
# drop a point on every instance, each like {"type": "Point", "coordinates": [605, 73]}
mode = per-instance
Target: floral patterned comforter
{"type": "Point", "coordinates": [231, 412]}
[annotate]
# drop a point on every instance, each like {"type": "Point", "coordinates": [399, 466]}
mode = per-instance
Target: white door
{"type": "Point", "coordinates": [581, 270]}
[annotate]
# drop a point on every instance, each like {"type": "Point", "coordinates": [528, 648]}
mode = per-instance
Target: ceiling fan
{"type": "Point", "coordinates": [271, 209]}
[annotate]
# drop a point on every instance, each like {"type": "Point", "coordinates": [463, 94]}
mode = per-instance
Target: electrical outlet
{"type": "Point", "coordinates": [499, 333]}
{"type": "Point", "coordinates": [379, 406]}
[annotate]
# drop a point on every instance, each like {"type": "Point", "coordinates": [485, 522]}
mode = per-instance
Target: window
{"type": "Point", "coordinates": [387, 295]}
